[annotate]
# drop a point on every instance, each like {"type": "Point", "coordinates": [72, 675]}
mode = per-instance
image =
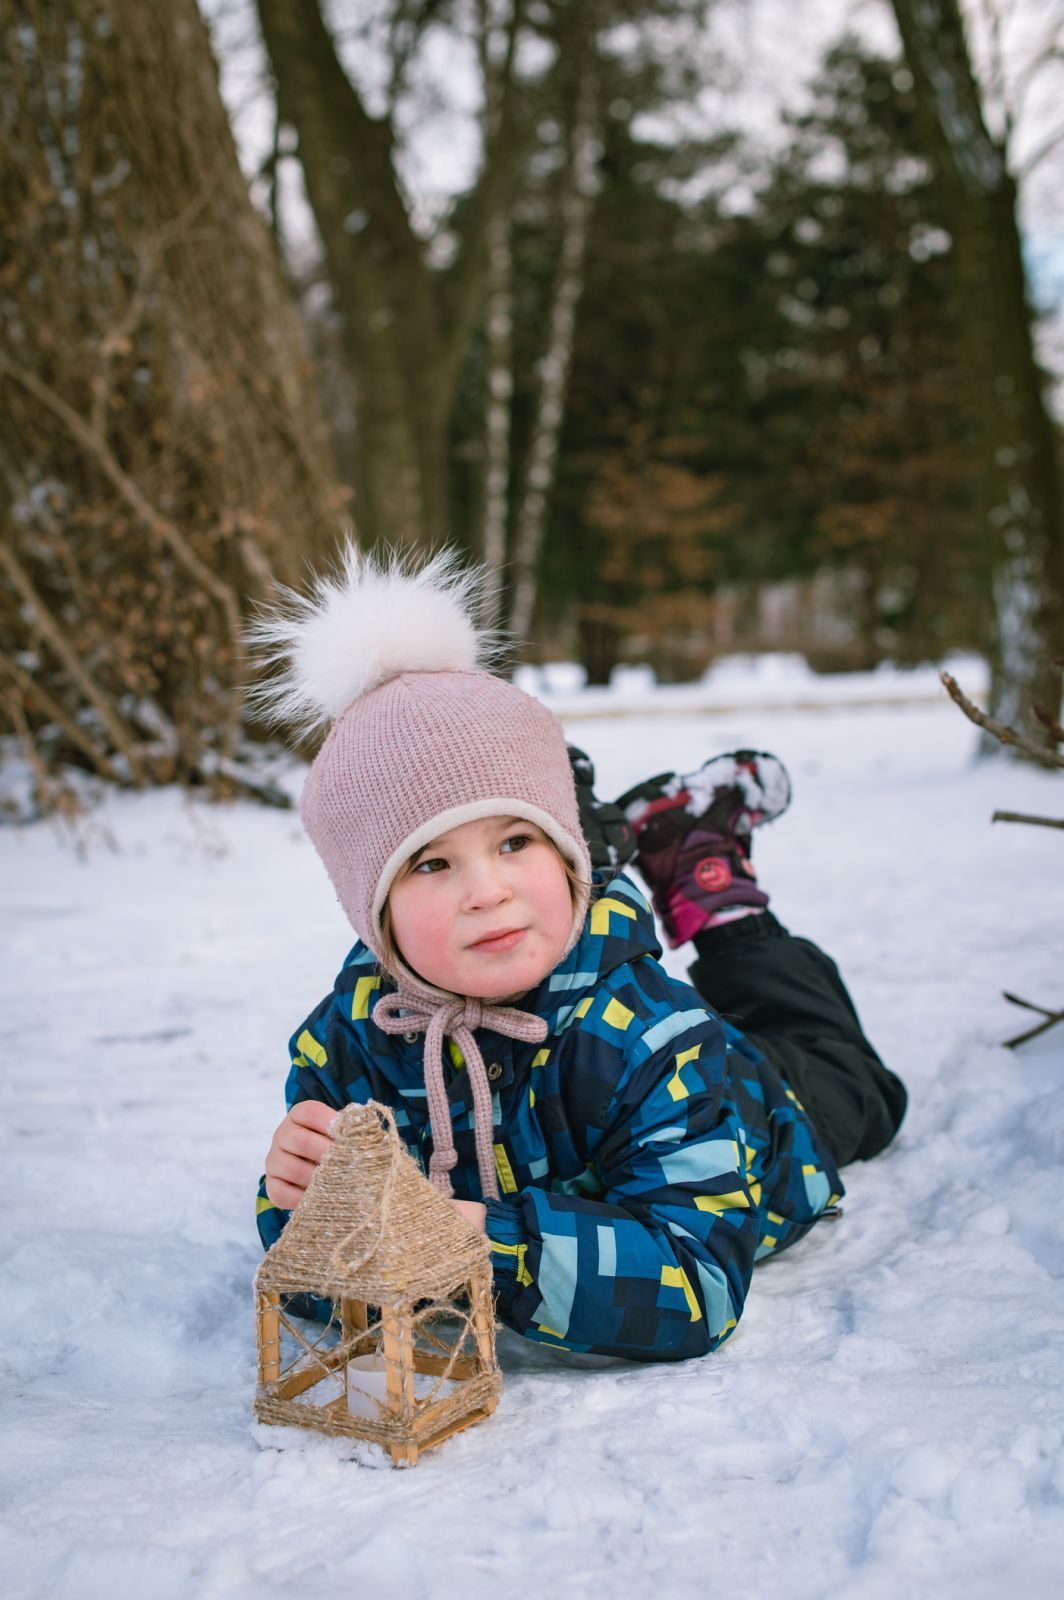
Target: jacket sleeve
{"type": "Point", "coordinates": [657, 1268]}
{"type": "Point", "coordinates": [321, 1068]}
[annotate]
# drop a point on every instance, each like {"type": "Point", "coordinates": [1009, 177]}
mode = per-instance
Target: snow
{"type": "Point", "coordinates": [888, 1416]}
{"type": "Point", "coordinates": [746, 683]}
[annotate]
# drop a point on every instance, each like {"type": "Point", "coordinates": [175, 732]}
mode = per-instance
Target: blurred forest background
{"type": "Point", "coordinates": [691, 373]}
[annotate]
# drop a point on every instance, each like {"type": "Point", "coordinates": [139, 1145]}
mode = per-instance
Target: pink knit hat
{"type": "Point", "coordinates": [424, 738]}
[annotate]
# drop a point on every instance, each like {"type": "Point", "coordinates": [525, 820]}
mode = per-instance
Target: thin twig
{"type": "Point", "coordinates": [1048, 720]}
{"type": "Point", "coordinates": [997, 79]}
{"type": "Point", "coordinates": [220, 771]}
{"type": "Point", "coordinates": [53, 795]}
{"type": "Point", "coordinates": [51, 708]}
{"type": "Point", "coordinates": [1040, 154]}
{"type": "Point", "coordinates": [1004, 734]}
{"type": "Point", "coordinates": [1028, 1005]}
{"type": "Point", "coordinates": [1052, 1018]}
{"type": "Point", "coordinates": [1046, 53]}
{"type": "Point", "coordinates": [1021, 816]}
{"type": "Point", "coordinates": [167, 532]}
{"type": "Point", "coordinates": [53, 633]}
{"type": "Point", "coordinates": [119, 339]}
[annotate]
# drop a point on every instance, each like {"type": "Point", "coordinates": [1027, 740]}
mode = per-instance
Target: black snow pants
{"type": "Point", "coordinates": [788, 998]}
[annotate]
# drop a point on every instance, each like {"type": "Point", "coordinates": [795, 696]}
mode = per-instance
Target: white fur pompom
{"type": "Point", "coordinates": [368, 623]}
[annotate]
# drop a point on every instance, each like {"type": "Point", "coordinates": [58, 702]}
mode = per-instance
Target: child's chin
{"type": "Point", "coordinates": [502, 989]}
{"type": "Point", "coordinates": [507, 984]}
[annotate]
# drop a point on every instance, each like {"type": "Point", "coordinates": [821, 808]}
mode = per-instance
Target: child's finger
{"type": "Point", "coordinates": [304, 1142]}
{"type": "Point", "coordinates": [290, 1169]}
{"type": "Point", "coordinates": [285, 1195]}
{"type": "Point", "coordinates": [312, 1114]}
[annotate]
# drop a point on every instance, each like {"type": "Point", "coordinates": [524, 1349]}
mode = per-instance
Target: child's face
{"type": "Point", "coordinates": [485, 910]}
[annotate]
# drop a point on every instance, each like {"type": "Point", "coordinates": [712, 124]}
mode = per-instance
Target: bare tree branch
{"type": "Point", "coordinates": [53, 795]}
{"type": "Point", "coordinates": [1048, 50]}
{"type": "Point", "coordinates": [1040, 154]}
{"type": "Point", "coordinates": [223, 773]}
{"type": "Point", "coordinates": [118, 339]}
{"type": "Point", "coordinates": [164, 530]}
{"type": "Point", "coordinates": [1028, 1005]}
{"type": "Point", "coordinates": [1050, 1020]}
{"type": "Point", "coordinates": [997, 82]}
{"type": "Point", "coordinates": [80, 674]}
{"type": "Point", "coordinates": [1048, 720]}
{"type": "Point", "coordinates": [1022, 816]}
{"type": "Point", "coordinates": [408, 24]}
{"type": "Point", "coordinates": [1004, 734]}
{"type": "Point", "coordinates": [51, 708]}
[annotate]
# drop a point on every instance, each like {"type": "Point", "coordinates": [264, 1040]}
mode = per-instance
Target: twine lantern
{"type": "Point", "coordinates": [409, 1355]}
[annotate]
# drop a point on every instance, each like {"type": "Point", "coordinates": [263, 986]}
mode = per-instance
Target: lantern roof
{"type": "Point", "coordinates": [371, 1226]}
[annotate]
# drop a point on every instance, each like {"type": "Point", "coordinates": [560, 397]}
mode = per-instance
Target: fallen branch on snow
{"type": "Point", "coordinates": [1047, 758]}
{"type": "Point", "coordinates": [1049, 1020]}
{"type": "Point", "coordinates": [1022, 816]}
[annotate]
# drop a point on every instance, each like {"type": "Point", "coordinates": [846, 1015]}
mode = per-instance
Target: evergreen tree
{"type": "Point", "coordinates": [853, 373]}
{"type": "Point", "coordinates": [759, 396]}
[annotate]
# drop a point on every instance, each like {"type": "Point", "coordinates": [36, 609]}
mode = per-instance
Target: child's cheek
{"type": "Point", "coordinates": [425, 933]}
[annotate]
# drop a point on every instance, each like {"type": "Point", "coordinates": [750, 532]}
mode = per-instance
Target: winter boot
{"type": "Point", "coordinates": [693, 838]}
{"type": "Point", "coordinates": [610, 836]}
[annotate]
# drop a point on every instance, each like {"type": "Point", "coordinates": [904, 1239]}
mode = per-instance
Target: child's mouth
{"type": "Point", "coordinates": [499, 941]}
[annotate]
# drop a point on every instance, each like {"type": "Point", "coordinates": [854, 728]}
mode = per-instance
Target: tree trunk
{"type": "Point", "coordinates": [600, 643]}
{"type": "Point", "coordinates": [498, 329]}
{"type": "Point", "coordinates": [497, 417]}
{"type": "Point", "coordinates": [577, 202]}
{"type": "Point", "coordinates": [162, 456]}
{"type": "Point", "coordinates": [1018, 465]}
{"type": "Point", "coordinates": [383, 293]}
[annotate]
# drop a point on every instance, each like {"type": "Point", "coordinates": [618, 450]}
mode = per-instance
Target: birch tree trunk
{"type": "Point", "coordinates": [577, 202]}
{"type": "Point", "coordinates": [162, 456]}
{"type": "Point", "coordinates": [1018, 464]}
{"type": "Point", "coordinates": [499, 323]}
{"type": "Point", "coordinates": [498, 412]}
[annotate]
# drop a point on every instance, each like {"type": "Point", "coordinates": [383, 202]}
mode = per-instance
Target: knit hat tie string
{"type": "Point", "coordinates": [458, 1018]}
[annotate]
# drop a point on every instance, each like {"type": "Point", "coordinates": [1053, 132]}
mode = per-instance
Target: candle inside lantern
{"type": "Point", "coordinates": [367, 1385]}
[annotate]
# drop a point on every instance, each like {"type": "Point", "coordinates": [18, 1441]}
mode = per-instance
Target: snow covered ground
{"type": "Point", "coordinates": [886, 1420]}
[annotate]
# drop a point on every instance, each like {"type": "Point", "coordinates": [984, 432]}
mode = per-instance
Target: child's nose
{"type": "Point", "coordinates": [486, 884]}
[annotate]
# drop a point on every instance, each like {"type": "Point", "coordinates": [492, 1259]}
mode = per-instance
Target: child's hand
{"type": "Point", "coordinates": [300, 1143]}
{"type": "Point", "coordinates": [475, 1213]}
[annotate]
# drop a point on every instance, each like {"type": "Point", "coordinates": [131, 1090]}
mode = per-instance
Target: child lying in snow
{"type": "Point", "coordinates": [629, 1154]}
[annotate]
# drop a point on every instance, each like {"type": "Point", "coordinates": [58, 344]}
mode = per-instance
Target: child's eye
{"type": "Point", "coordinates": [430, 864]}
{"type": "Point", "coordinates": [516, 841]}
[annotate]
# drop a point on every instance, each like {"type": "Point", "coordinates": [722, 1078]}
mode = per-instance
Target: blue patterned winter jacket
{"type": "Point", "coordinates": [647, 1154]}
